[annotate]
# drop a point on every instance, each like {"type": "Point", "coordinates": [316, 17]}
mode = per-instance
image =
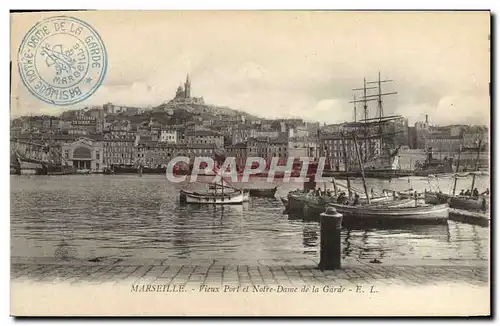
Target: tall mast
{"type": "Point", "coordinates": [362, 169]}
{"type": "Point", "coordinates": [380, 107]}
{"type": "Point", "coordinates": [457, 170]}
{"type": "Point", "coordinates": [365, 99]}
{"type": "Point", "coordinates": [477, 167]}
{"type": "Point", "coordinates": [354, 102]}
{"type": "Point", "coordinates": [346, 166]}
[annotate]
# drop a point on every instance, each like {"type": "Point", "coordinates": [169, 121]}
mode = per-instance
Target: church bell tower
{"type": "Point", "coordinates": [187, 88]}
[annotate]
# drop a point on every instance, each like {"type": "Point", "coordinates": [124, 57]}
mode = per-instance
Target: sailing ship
{"type": "Point", "coordinates": [377, 137]}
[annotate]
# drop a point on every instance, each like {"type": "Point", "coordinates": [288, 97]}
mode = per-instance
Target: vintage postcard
{"type": "Point", "coordinates": [250, 163]}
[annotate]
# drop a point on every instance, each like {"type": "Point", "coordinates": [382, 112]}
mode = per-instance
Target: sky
{"type": "Point", "coordinates": [288, 64]}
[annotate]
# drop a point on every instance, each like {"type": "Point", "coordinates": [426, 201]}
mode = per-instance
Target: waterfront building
{"type": "Point", "coordinates": [119, 144]}
{"type": "Point", "coordinates": [157, 154]}
{"type": "Point", "coordinates": [443, 142]}
{"type": "Point", "coordinates": [331, 147]}
{"type": "Point", "coordinates": [84, 153]}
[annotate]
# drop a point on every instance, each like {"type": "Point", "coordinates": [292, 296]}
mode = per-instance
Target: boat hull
{"type": "Point", "coordinates": [315, 205]}
{"type": "Point", "coordinates": [431, 213]}
{"type": "Point", "coordinates": [209, 199]}
{"type": "Point", "coordinates": [267, 193]}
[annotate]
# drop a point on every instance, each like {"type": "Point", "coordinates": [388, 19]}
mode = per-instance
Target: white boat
{"type": "Point", "coordinates": [235, 197]}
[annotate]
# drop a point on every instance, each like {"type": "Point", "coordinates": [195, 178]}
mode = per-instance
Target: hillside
{"type": "Point", "coordinates": [203, 109]}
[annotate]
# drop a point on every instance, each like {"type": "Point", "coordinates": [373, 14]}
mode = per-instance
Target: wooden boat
{"type": "Point", "coordinates": [232, 198]}
{"type": "Point", "coordinates": [246, 193]}
{"type": "Point", "coordinates": [262, 192]}
{"type": "Point", "coordinates": [430, 213]}
{"type": "Point", "coordinates": [313, 204]}
{"type": "Point", "coordinates": [83, 171]}
{"type": "Point", "coordinates": [465, 216]}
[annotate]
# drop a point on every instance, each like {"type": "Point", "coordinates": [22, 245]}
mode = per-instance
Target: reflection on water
{"type": "Point", "coordinates": [98, 216]}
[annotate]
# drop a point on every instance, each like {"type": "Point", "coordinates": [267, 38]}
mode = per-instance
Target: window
{"type": "Point", "coordinates": [97, 156]}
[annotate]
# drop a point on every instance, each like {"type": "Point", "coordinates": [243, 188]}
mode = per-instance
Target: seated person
{"type": "Point", "coordinates": [462, 193]}
{"type": "Point", "coordinates": [356, 200]}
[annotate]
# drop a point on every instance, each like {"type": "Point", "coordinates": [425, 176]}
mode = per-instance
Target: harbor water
{"type": "Point", "coordinates": [132, 217]}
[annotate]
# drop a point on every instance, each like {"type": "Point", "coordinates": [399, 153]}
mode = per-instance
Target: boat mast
{"type": "Point", "coordinates": [457, 170]}
{"type": "Point", "coordinates": [354, 102]}
{"type": "Point", "coordinates": [346, 166]}
{"type": "Point", "coordinates": [362, 169]}
{"type": "Point", "coordinates": [477, 167]}
{"type": "Point", "coordinates": [380, 107]}
{"type": "Point", "coordinates": [365, 99]}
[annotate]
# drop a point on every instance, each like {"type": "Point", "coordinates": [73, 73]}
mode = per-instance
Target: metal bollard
{"type": "Point", "coordinates": [331, 249]}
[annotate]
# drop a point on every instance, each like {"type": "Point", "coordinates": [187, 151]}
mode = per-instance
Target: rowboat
{"type": "Point", "coordinates": [262, 192]}
{"type": "Point", "coordinates": [232, 198]}
{"type": "Point", "coordinates": [429, 213]}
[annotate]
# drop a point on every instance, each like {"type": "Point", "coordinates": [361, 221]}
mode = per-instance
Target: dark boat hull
{"type": "Point", "coordinates": [267, 193]}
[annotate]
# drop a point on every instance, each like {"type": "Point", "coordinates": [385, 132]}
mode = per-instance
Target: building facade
{"type": "Point", "coordinates": [84, 154]}
{"type": "Point", "coordinates": [204, 137]}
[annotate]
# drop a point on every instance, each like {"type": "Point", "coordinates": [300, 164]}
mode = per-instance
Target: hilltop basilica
{"type": "Point", "coordinates": [183, 95]}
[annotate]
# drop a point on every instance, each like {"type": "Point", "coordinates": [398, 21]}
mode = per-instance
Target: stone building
{"type": "Point", "coordinates": [84, 153]}
{"type": "Point", "coordinates": [204, 137]}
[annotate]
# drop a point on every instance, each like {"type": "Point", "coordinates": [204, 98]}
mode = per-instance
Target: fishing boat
{"type": "Point", "coordinates": [262, 192]}
{"type": "Point", "coordinates": [310, 203]}
{"type": "Point", "coordinates": [429, 213]}
{"type": "Point", "coordinates": [214, 186]}
{"type": "Point", "coordinates": [232, 198]}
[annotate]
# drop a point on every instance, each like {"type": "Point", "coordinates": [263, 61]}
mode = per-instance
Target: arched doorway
{"type": "Point", "coordinates": [82, 157]}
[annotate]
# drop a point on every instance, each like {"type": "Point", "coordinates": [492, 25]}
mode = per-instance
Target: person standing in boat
{"type": "Point", "coordinates": [475, 193]}
{"type": "Point", "coordinates": [356, 200]}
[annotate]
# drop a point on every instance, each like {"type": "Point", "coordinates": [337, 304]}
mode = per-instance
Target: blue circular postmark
{"type": "Point", "coordinates": [62, 60]}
